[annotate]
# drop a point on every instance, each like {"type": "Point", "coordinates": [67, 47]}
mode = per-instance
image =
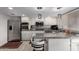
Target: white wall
{"type": "Point", "coordinates": [3, 29]}
{"type": "Point", "coordinates": [50, 21]}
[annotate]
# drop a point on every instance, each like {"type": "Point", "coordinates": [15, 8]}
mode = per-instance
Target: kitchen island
{"type": "Point", "coordinates": [55, 41]}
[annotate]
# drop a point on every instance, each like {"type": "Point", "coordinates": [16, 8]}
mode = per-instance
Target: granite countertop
{"type": "Point", "coordinates": [32, 30]}
{"type": "Point", "coordinates": [52, 35]}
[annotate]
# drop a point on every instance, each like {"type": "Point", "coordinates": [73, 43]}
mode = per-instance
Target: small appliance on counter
{"type": "Point", "coordinates": [39, 24]}
{"type": "Point", "coordinates": [54, 27]}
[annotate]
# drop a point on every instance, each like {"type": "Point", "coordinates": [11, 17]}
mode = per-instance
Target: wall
{"type": "Point", "coordinates": [3, 29]}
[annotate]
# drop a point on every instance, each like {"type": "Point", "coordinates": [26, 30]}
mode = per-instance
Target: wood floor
{"type": "Point", "coordinates": [25, 46]}
{"type": "Point", "coordinates": [11, 45]}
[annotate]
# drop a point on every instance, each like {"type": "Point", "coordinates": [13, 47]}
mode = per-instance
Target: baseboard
{"type": "Point", "coordinates": [3, 44]}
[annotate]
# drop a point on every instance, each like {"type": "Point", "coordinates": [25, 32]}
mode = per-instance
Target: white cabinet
{"type": "Point", "coordinates": [26, 35]}
{"type": "Point", "coordinates": [59, 44]}
{"type": "Point", "coordinates": [75, 44]}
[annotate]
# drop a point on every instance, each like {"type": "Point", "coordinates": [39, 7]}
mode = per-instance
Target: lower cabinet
{"type": "Point", "coordinates": [58, 44]}
{"type": "Point", "coordinates": [75, 44]}
{"type": "Point", "coordinates": [26, 35]}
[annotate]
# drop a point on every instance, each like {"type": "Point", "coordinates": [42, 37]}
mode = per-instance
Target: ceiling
{"type": "Point", "coordinates": [33, 11]}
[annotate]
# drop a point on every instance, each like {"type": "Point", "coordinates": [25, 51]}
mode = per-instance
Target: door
{"type": "Point", "coordinates": [13, 30]}
{"type": "Point", "coordinates": [59, 44]}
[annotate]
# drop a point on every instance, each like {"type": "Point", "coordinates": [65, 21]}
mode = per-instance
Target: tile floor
{"type": "Point", "coordinates": [25, 46]}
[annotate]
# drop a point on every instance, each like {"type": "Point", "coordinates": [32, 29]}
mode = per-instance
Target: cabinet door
{"type": "Point", "coordinates": [75, 44]}
{"type": "Point", "coordinates": [59, 44]}
{"type": "Point", "coordinates": [26, 35]}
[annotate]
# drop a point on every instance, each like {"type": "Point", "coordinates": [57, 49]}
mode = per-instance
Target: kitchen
{"type": "Point", "coordinates": [44, 28]}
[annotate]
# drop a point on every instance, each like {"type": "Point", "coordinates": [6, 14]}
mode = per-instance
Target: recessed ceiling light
{"type": "Point", "coordinates": [59, 7]}
{"type": "Point", "coordinates": [39, 8]}
{"type": "Point", "coordinates": [23, 14]}
{"type": "Point", "coordinates": [55, 9]}
{"type": "Point", "coordinates": [10, 8]}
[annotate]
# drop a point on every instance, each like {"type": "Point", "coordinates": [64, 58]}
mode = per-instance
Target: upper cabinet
{"type": "Point", "coordinates": [71, 20]}
{"type": "Point", "coordinates": [47, 20]}
{"type": "Point", "coordinates": [65, 19]}
{"type": "Point", "coordinates": [74, 20]}
{"type": "Point", "coordinates": [25, 19]}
